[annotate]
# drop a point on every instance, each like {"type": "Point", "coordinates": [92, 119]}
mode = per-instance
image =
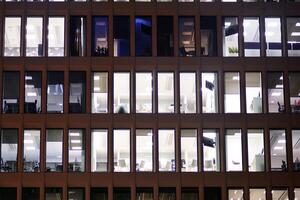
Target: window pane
{"type": "Point", "coordinates": [121, 36]}
{"type": "Point", "coordinates": [99, 194]}
{"type": "Point", "coordinates": [31, 151]}
{"type": "Point", "coordinates": [76, 162]}
{"type": "Point", "coordinates": [54, 150]}
{"type": "Point", "coordinates": [167, 194]}
{"type": "Point", "coordinates": [230, 36]}
{"type": "Point", "coordinates": [76, 194]}
{"type": "Point", "coordinates": [211, 150]}
{"type": "Point", "coordinates": [210, 92]}
{"type": "Point", "coordinates": [8, 193]}
{"type": "Point", "coordinates": [256, 152]}
{"type": "Point", "coordinates": [189, 194]}
{"type": "Point", "coordinates": [77, 39]}
{"type": "Point", "coordinates": [280, 194]}
{"type": "Point", "coordinates": [99, 152]}
{"type": "Point", "coordinates": [122, 150]}
{"type": "Point", "coordinates": [121, 193]}
{"type": "Point", "coordinates": [33, 92]}
{"type": "Point", "coordinates": [56, 36]}
{"type": "Point", "coordinates": [165, 36]}
{"type": "Point", "coordinates": [11, 92]}
{"type": "Point", "coordinates": [30, 193]}
{"type": "Point", "coordinates": [100, 36]}
{"type": "Point", "coordinates": [189, 144]}
{"type": "Point", "coordinates": [278, 150]}
{"type": "Point", "coordinates": [54, 194]}
{"type": "Point", "coordinates": [9, 150]}
{"type": "Point", "coordinates": [121, 92]}
{"type": "Point", "coordinates": [251, 37]}
{"type": "Point", "coordinates": [165, 92]}
{"type": "Point", "coordinates": [294, 80]}
{"type": "Point", "coordinates": [12, 36]}
{"type": "Point", "coordinates": [232, 92]}
{"type": "Point", "coordinates": [293, 40]}
{"type": "Point", "coordinates": [236, 194]}
{"type": "Point", "coordinates": [77, 92]}
{"type": "Point", "coordinates": [144, 194]}
{"type": "Point", "coordinates": [144, 150]}
{"type": "Point", "coordinates": [296, 149]}
{"type": "Point", "coordinates": [166, 150]}
{"type": "Point", "coordinates": [297, 193]}
{"type": "Point", "coordinates": [143, 89]}
{"type": "Point", "coordinates": [143, 36]}
{"type": "Point", "coordinates": [208, 31]}
{"type": "Point", "coordinates": [188, 92]}
{"type": "Point", "coordinates": [187, 36]}
{"type": "Point", "coordinates": [55, 92]}
{"type": "Point", "coordinates": [212, 193]}
{"type": "Point", "coordinates": [257, 194]}
{"type": "Point", "coordinates": [275, 92]}
{"type": "Point", "coordinates": [273, 36]}
{"type": "Point", "coordinates": [253, 92]}
{"type": "Point", "coordinates": [34, 36]}
{"type": "Point", "coordinates": [100, 92]}
{"type": "Point", "coordinates": [233, 143]}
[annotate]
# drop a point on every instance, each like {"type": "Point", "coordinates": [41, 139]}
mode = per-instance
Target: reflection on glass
{"type": "Point", "coordinates": [236, 194]}
{"type": "Point", "coordinates": [187, 36]}
{"type": "Point", "coordinates": [77, 92]}
{"type": "Point", "coordinates": [257, 193]}
{"type": "Point", "coordinates": [232, 92]}
{"type": "Point", "coordinates": [165, 92]}
{"type": "Point", "coordinates": [55, 92]}
{"type": "Point", "coordinates": [167, 194]}
{"type": "Point", "coordinates": [296, 149]}
{"type": "Point", "coordinates": [209, 89]}
{"type": "Point", "coordinates": [77, 39]}
{"type": "Point", "coordinates": [99, 194]}
{"type": "Point", "coordinates": [121, 36]}
{"type": "Point", "coordinates": [100, 92]}
{"type": "Point", "coordinates": [188, 142]}
{"type": "Point", "coordinates": [99, 150]}
{"type": "Point", "coordinates": [256, 152]}
{"type": "Point", "coordinates": [33, 92]}
{"type": "Point", "coordinates": [278, 150]}
{"type": "Point", "coordinates": [253, 92]}
{"type": "Point", "coordinates": [275, 92]}
{"type": "Point", "coordinates": [121, 92]}
{"type": "Point", "coordinates": [233, 143]}
{"type": "Point", "coordinates": [166, 150]}
{"type": "Point", "coordinates": [76, 161]}
{"type": "Point", "coordinates": [100, 36]}
{"type": "Point", "coordinates": [11, 92]}
{"type": "Point", "coordinates": [294, 84]}
{"type": "Point", "coordinates": [251, 37]}
{"type": "Point", "coordinates": [144, 149]}
{"type": "Point", "coordinates": [56, 36]}
{"type": "Point", "coordinates": [8, 150]}
{"type": "Point", "coordinates": [12, 36]}
{"type": "Point", "coordinates": [165, 36]}
{"type": "Point", "coordinates": [189, 194]}
{"type": "Point", "coordinates": [211, 150]}
{"type": "Point", "coordinates": [34, 36]}
{"type": "Point", "coordinates": [208, 32]}
{"type": "Point", "coordinates": [230, 29]}
{"type": "Point", "coordinates": [143, 89]}
{"type": "Point", "coordinates": [54, 150]}
{"type": "Point", "coordinates": [31, 151]}
{"type": "Point", "coordinates": [30, 193]}
{"type": "Point", "coordinates": [280, 194]}
{"type": "Point", "coordinates": [143, 36]}
{"type": "Point", "coordinates": [54, 194]}
{"type": "Point", "coordinates": [293, 33]}
{"type": "Point", "coordinates": [144, 194]}
{"type": "Point", "coordinates": [188, 92]}
{"type": "Point", "coordinates": [273, 36]}
{"type": "Point", "coordinates": [121, 150]}
{"type": "Point", "coordinates": [76, 194]}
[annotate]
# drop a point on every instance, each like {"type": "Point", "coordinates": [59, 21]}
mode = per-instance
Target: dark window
{"type": "Point", "coordinates": [77, 92]}
{"type": "Point", "coordinates": [167, 194]}
{"type": "Point", "coordinates": [76, 194]}
{"type": "Point", "coordinates": [99, 194]}
{"type": "Point", "coordinates": [187, 36]}
{"type": "Point", "coordinates": [121, 194]}
{"type": "Point", "coordinates": [54, 194]}
{"type": "Point", "coordinates": [100, 36]}
{"type": "Point", "coordinates": [11, 92]}
{"type": "Point", "coordinates": [121, 36]}
{"type": "Point", "coordinates": [8, 150]}
{"type": "Point", "coordinates": [144, 193]}
{"type": "Point", "coordinates": [165, 37]}
{"type": "Point", "coordinates": [8, 193]}
{"type": "Point", "coordinates": [55, 92]}
{"type": "Point", "coordinates": [77, 36]}
{"type": "Point", "coordinates": [30, 193]}
{"type": "Point", "coordinates": [143, 36]}
{"type": "Point", "coordinates": [33, 92]}
{"type": "Point", "coordinates": [212, 193]}
{"type": "Point", "coordinates": [208, 31]}
{"type": "Point", "coordinates": [189, 194]}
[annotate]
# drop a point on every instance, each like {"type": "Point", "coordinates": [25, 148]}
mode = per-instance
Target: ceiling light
{"type": "Point", "coordinates": [236, 78]}
{"type": "Point", "coordinates": [269, 34]}
{"type": "Point", "coordinates": [74, 134]}
{"type": "Point", "coordinates": [76, 148]}
{"type": "Point", "coordinates": [272, 24]}
{"type": "Point", "coordinates": [30, 148]}
{"type": "Point", "coordinates": [31, 94]}
{"type": "Point", "coordinates": [297, 24]}
{"type": "Point", "coordinates": [28, 77]}
{"type": "Point", "coordinates": [29, 86]}
{"type": "Point", "coordinates": [278, 148]}
{"type": "Point", "coordinates": [276, 94]}
{"type": "Point", "coordinates": [28, 141]}
{"type": "Point", "coordinates": [76, 141]}
{"type": "Point", "coordinates": [227, 24]}
{"type": "Point", "coordinates": [295, 34]}
{"type": "Point", "coordinates": [186, 33]}
{"type": "Point", "coordinates": [281, 141]}
{"type": "Point", "coordinates": [281, 78]}
{"type": "Point", "coordinates": [279, 86]}
{"type": "Point", "coordinates": [96, 78]}
{"type": "Point", "coordinates": [96, 89]}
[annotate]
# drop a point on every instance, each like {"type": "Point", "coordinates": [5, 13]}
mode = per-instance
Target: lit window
{"type": "Point", "coordinates": [256, 152]}
{"type": "Point", "coordinates": [144, 193]}
{"type": "Point", "coordinates": [297, 193]}
{"type": "Point", "coordinates": [121, 145]}
{"type": "Point", "coordinates": [99, 151]}
{"type": "Point", "coordinates": [33, 92]}
{"type": "Point", "coordinates": [12, 36]}
{"type": "Point", "coordinates": [8, 150]}
{"type": "Point", "coordinates": [251, 37]}
{"type": "Point", "coordinates": [77, 92]}
{"type": "Point", "coordinates": [294, 80]}
{"type": "Point", "coordinates": [34, 36]}
{"type": "Point", "coordinates": [100, 92]}
{"type": "Point", "coordinates": [144, 150]}
{"type": "Point", "coordinates": [293, 33]}
{"type": "Point", "coordinates": [100, 36]}
{"type": "Point", "coordinates": [278, 150]}
{"type": "Point", "coordinates": [230, 31]}
{"type": "Point", "coordinates": [233, 143]}
{"type": "Point", "coordinates": [273, 36]}
{"type": "Point", "coordinates": [189, 144]}
{"type": "Point", "coordinates": [77, 36]}
{"type": "Point", "coordinates": [55, 92]}
{"type": "Point", "coordinates": [236, 194]}
{"type": "Point", "coordinates": [187, 36]}
{"type": "Point", "coordinates": [296, 150]}
{"type": "Point", "coordinates": [121, 92]}
{"type": "Point", "coordinates": [54, 150]}
{"type": "Point", "coordinates": [211, 150]}
{"type": "Point", "coordinates": [166, 150]}
{"type": "Point", "coordinates": [76, 161]}
{"type": "Point", "coordinates": [56, 36]}
{"type": "Point", "coordinates": [121, 36]}
{"type": "Point", "coordinates": [280, 193]}
{"type": "Point", "coordinates": [209, 89]}
{"type": "Point", "coordinates": [257, 193]}
{"type": "Point", "coordinates": [143, 36]}
{"type": "Point", "coordinates": [165, 92]}
{"type": "Point", "coordinates": [275, 92]}
{"type": "Point", "coordinates": [31, 151]}
{"type": "Point", "coordinates": [253, 92]}
{"type": "Point", "coordinates": [11, 92]}
{"type": "Point", "coordinates": [188, 92]}
{"type": "Point", "coordinates": [143, 89]}
{"type": "Point", "coordinates": [165, 36]}
{"type": "Point", "coordinates": [208, 31]}
{"type": "Point", "coordinates": [232, 92]}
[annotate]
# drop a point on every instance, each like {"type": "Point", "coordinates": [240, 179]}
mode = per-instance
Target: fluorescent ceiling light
{"type": "Point", "coordinates": [97, 89]}
{"type": "Point", "coordinates": [295, 34]}
{"type": "Point", "coordinates": [74, 134]}
{"type": "Point", "coordinates": [297, 24]}
{"type": "Point", "coordinates": [29, 86]}
{"type": "Point", "coordinates": [269, 34]}
{"type": "Point", "coordinates": [31, 94]}
{"type": "Point", "coordinates": [281, 141]}
{"type": "Point", "coordinates": [96, 78]}
{"type": "Point", "coordinates": [272, 24]}
{"type": "Point", "coordinates": [30, 148]}
{"type": "Point", "coordinates": [276, 94]}
{"type": "Point", "coordinates": [236, 78]}
{"type": "Point", "coordinates": [227, 24]}
{"type": "Point", "coordinates": [186, 33]}
{"type": "Point", "coordinates": [278, 148]}
{"type": "Point", "coordinates": [281, 78]}
{"type": "Point", "coordinates": [76, 141]}
{"type": "Point", "coordinates": [76, 148]}
{"type": "Point", "coordinates": [28, 141]}
{"type": "Point", "coordinates": [28, 77]}
{"type": "Point", "coordinates": [279, 86]}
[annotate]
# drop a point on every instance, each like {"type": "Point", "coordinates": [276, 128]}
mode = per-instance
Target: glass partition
{"type": "Point", "coordinates": [11, 92]}
{"type": "Point", "coordinates": [100, 92]}
{"type": "Point", "coordinates": [12, 36]}
{"type": "Point", "coordinates": [166, 150]}
{"type": "Point", "coordinates": [31, 150]}
{"type": "Point", "coordinates": [8, 150]}
{"type": "Point", "coordinates": [76, 161]}
{"type": "Point", "coordinates": [56, 36]}
{"type": "Point", "coordinates": [121, 150]}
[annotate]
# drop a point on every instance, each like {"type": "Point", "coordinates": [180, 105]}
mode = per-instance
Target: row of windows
{"type": "Point", "coordinates": [147, 143]}
{"type": "Point", "coordinates": [248, 34]}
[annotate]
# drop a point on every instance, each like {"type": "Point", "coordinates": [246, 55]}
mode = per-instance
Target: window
{"type": "Point", "coordinates": [189, 154]}
{"type": "Point", "coordinates": [166, 150]}
{"type": "Point", "coordinates": [278, 150]}
{"type": "Point", "coordinates": [167, 194]}
{"type": "Point", "coordinates": [121, 193]}
{"type": "Point", "coordinates": [294, 80]}
{"type": "Point", "coordinates": [293, 33]}
{"type": "Point", "coordinates": [12, 36]}
{"type": "Point", "coordinates": [165, 36]}
{"type": "Point", "coordinates": [77, 37]}
{"type": "Point", "coordinates": [76, 161]}
{"type": "Point", "coordinates": [188, 92]}
{"type": "Point", "coordinates": [257, 193]}
{"type": "Point", "coordinates": [76, 194]}
{"type": "Point", "coordinates": [275, 92]}
{"type": "Point", "coordinates": [230, 31]}
{"type": "Point", "coordinates": [211, 150]}
{"type": "Point", "coordinates": [11, 92]}
{"type": "Point", "coordinates": [77, 92]}
{"type": "Point", "coordinates": [143, 36]}
{"type": "Point", "coordinates": [273, 36]}
{"type": "Point", "coordinates": [280, 193]}
{"type": "Point", "coordinates": [251, 37]}
{"type": "Point", "coordinates": [99, 152]}
{"type": "Point", "coordinates": [54, 150]}
{"type": "Point", "coordinates": [56, 36]}
{"type": "Point", "coordinates": [189, 194]}
{"type": "Point", "coordinates": [100, 92]}
{"type": "Point", "coordinates": [8, 193]}
{"type": "Point", "coordinates": [121, 150]}
{"type": "Point", "coordinates": [144, 150]}
{"type": "Point", "coordinates": [233, 143]}
{"type": "Point", "coordinates": [256, 151]}
{"type": "Point", "coordinates": [144, 194]}
{"type": "Point", "coordinates": [31, 150]}
{"type": "Point", "coordinates": [8, 150]}
{"type": "Point", "coordinates": [121, 92]}
{"type": "Point", "coordinates": [297, 193]}
{"type": "Point", "coordinates": [55, 92]}
{"type": "Point", "coordinates": [30, 193]}
{"type": "Point", "coordinates": [208, 32]}
{"type": "Point", "coordinates": [165, 92]}
{"type": "Point", "coordinates": [212, 193]}
{"type": "Point", "coordinates": [121, 36]}
{"type": "Point", "coordinates": [33, 92]}
{"type": "Point", "coordinates": [144, 90]}
{"type": "Point", "coordinates": [187, 36]}
{"type": "Point", "coordinates": [54, 193]}
{"type": "Point", "coordinates": [232, 92]}
{"type": "Point", "coordinates": [296, 149]}
{"type": "Point", "coordinates": [34, 36]}
{"type": "Point", "coordinates": [100, 36]}
{"type": "Point", "coordinates": [253, 92]}
{"type": "Point", "coordinates": [99, 194]}
{"type": "Point", "coordinates": [236, 194]}
{"type": "Point", "coordinates": [209, 90]}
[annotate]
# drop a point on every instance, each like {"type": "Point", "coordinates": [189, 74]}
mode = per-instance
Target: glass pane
{"type": "Point", "coordinates": [99, 152]}
{"type": "Point", "coordinates": [208, 32]}
{"type": "Point", "coordinates": [143, 89]}
{"type": "Point", "coordinates": [8, 193]}
{"type": "Point", "coordinates": [296, 149]}
{"type": "Point", "coordinates": [211, 150]}
{"type": "Point", "coordinates": [232, 92]}
{"type": "Point", "coordinates": [100, 36]}
{"type": "Point", "coordinates": [233, 143]}
{"type": "Point", "coordinates": [280, 194]}
{"type": "Point", "coordinates": [187, 36]}
{"type": "Point", "coordinates": [77, 92]}
{"type": "Point", "coordinates": [293, 33]}
{"type": "Point", "coordinates": [251, 37]}
{"type": "Point", "coordinates": [11, 92]}
{"type": "Point", "coordinates": [12, 36]}
{"type": "Point", "coordinates": [54, 194]}
{"type": "Point", "coordinates": [188, 92]}
{"type": "Point", "coordinates": [256, 194]}
{"type": "Point", "coordinates": [236, 194]}
{"type": "Point", "coordinates": [33, 92]}
{"type": "Point", "coordinates": [253, 92]}
{"type": "Point", "coordinates": [121, 150]}
{"type": "Point", "coordinates": [256, 152]}
{"type": "Point", "coordinates": [165, 36]}
{"type": "Point", "coordinates": [230, 31]}
{"type": "Point", "coordinates": [144, 149]}
{"type": "Point", "coordinates": [30, 193]}
{"type": "Point", "coordinates": [212, 193]}
{"type": "Point", "coordinates": [99, 194]}
{"type": "Point", "coordinates": [121, 36]}
{"type": "Point", "coordinates": [55, 92]}
{"type": "Point", "coordinates": [278, 150]}
{"type": "Point", "coordinates": [77, 39]}
{"type": "Point", "coordinates": [167, 194]}
{"type": "Point", "coordinates": [76, 194]}
{"type": "Point", "coordinates": [294, 80]}
{"type": "Point", "coordinates": [166, 150]}
{"type": "Point", "coordinates": [165, 92]}
{"type": "Point", "coordinates": [144, 194]}
{"type": "Point", "coordinates": [189, 194]}
{"type": "Point", "coordinates": [100, 92]}
{"type": "Point", "coordinates": [121, 194]}
{"type": "Point", "coordinates": [275, 92]}
{"type": "Point", "coordinates": [143, 36]}
{"type": "Point", "coordinates": [56, 36]}
{"type": "Point", "coordinates": [31, 151]}
{"type": "Point", "coordinates": [189, 144]}
{"type": "Point", "coordinates": [273, 36]}
{"type": "Point", "coordinates": [121, 92]}
{"type": "Point", "coordinates": [54, 150]}
{"type": "Point", "coordinates": [34, 36]}
{"type": "Point", "coordinates": [210, 91]}
{"type": "Point", "coordinates": [9, 150]}
{"type": "Point", "coordinates": [76, 161]}
{"type": "Point", "coordinates": [297, 193]}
